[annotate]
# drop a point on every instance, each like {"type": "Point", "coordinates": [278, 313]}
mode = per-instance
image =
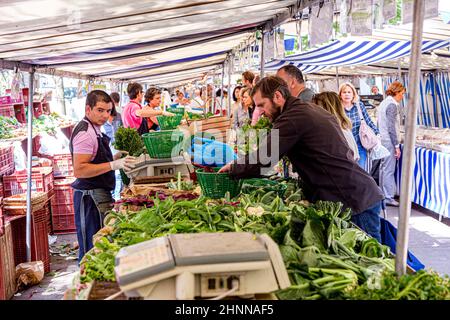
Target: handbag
{"type": "Point", "coordinates": [368, 138]}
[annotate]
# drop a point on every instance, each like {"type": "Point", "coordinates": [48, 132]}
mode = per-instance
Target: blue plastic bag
{"type": "Point", "coordinates": [389, 238]}
{"type": "Point", "coordinates": [208, 152]}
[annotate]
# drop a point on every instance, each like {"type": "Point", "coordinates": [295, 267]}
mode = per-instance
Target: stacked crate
{"type": "Point", "coordinates": [6, 159]}
{"type": "Point", "coordinates": [41, 180]}
{"type": "Point", "coordinates": [63, 212]}
{"type": "Point", "coordinates": [39, 237]}
{"type": "Point", "coordinates": [7, 266]}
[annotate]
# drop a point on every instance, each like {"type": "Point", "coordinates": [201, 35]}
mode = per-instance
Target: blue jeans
{"type": "Point", "coordinates": [369, 220]}
{"type": "Point", "coordinates": [362, 156]}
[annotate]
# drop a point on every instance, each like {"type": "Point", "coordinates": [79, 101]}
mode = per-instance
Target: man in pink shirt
{"type": "Point", "coordinates": [94, 166]}
{"type": "Point", "coordinates": [133, 113]}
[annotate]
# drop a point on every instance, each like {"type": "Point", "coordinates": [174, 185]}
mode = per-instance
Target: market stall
{"type": "Point", "coordinates": [431, 170]}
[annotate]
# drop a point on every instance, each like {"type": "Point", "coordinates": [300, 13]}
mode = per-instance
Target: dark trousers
{"type": "Point", "coordinates": [369, 221]}
{"type": "Point", "coordinates": [92, 223]}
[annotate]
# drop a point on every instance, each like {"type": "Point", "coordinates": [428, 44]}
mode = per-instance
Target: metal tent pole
{"type": "Point", "coordinates": [213, 92]}
{"type": "Point", "coordinates": [221, 90]}
{"type": "Point", "coordinates": [29, 157]}
{"type": "Point", "coordinates": [261, 67]}
{"type": "Point", "coordinates": [410, 136]}
{"type": "Point", "coordinates": [230, 59]}
{"type": "Point", "coordinates": [337, 78]}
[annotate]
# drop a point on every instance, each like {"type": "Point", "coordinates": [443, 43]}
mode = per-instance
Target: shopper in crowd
{"type": "Point", "coordinates": [197, 101]}
{"type": "Point", "coordinates": [181, 99]}
{"type": "Point", "coordinates": [296, 83]}
{"type": "Point", "coordinates": [330, 101]}
{"type": "Point", "coordinates": [247, 79]}
{"type": "Point", "coordinates": [243, 113]}
{"type": "Point", "coordinates": [313, 141]}
{"type": "Point", "coordinates": [222, 98]}
{"type": "Point", "coordinates": [255, 80]}
{"type": "Point", "coordinates": [152, 99]}
{"type": "Point", "coordinates": [389, 125]}
{"type": "Point", "coordinates": [134, 114]}
{"type": "Point", "coordinates": [94, 166]}
{"type": "Point", "coordinates": [375, 91]}
{"type": "Point", "coordinates": [110, 127]}
{"type": "Point", "coordinates": [236, 99]}
{"type": "Point", "coordinates": [353, 109]}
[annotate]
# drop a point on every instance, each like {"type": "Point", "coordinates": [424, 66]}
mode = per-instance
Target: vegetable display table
{"type": "Point", "coordinates": [431, 184]}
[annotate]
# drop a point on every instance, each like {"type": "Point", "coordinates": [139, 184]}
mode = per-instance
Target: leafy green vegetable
{"type": "Point", "coordinates": [128, 139]}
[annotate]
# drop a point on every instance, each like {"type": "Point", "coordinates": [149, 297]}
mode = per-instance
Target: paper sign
{"type": "Point", "coordinates": [389, 9]}
{"type": "Point", "coordinates": [321, 24]}
{"type": "Point", "coordinates": [407, 11]}
{"type": "Point", "coordinates": [361, 18]}
{"type": "Point", "coordinates": [431, 9]}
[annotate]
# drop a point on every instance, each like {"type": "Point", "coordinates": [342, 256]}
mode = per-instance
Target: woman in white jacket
{"type": "Point", "coordinates": [330, 101]}
{"type": "Point", "coordinates": [388, 124]}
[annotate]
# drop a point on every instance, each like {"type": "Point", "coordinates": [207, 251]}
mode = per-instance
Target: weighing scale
{"type": "Point", "coordinates": [201, 265]}
{"type": "Point", "coordinates": [150, 167]}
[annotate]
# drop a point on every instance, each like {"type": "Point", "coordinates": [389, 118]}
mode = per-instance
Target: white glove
{"type": "Point", "coordinates": [120, 154]}
{"type": "Point", "coordinates": [127, 163]}
{"type": "Point", "coordinates": [167, 113]}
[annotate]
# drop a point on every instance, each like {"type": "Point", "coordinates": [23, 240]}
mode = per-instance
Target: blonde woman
{"type": "Point", "coordinates": [389, 123]}
{"type": "Point", "coordinates": [353, 108]}
{"type": "Point", "coordinates": [330, 101]}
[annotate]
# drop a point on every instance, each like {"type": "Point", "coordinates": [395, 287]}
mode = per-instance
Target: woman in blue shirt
{"type": "Point", "coordinates": [351, 103]}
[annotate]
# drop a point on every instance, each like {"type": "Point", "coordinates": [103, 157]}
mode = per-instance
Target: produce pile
{"type": "Point", "coordinates": [8, 127]}
{"type": "Point", "coordinates": [11, 128]}
{"type": "Point", "coordinates": [197, 116]}
{"type": "Point", "coordinates": [249, 137]}
{"type": "Point", "coordinates": [327, 257]}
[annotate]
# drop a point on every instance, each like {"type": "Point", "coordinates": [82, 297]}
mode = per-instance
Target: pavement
{"type": "Point", "coordinates": [429, 241]}
{"type": "Point", "coordinates": [64, 266]}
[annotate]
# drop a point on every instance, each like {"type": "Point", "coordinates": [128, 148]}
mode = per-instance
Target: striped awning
{"type": "Point", "coordinates": [352, 52]}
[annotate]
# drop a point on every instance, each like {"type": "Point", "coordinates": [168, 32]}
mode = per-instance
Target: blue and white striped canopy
{"type": "Point", "coordinates": [355, 52]}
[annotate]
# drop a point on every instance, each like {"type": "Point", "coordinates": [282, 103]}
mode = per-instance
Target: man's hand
{"type": "Point", "coordinates": [225, 168]}
{"type": "Point", "coordinates": [167, 113]}
{"type": "Point", "coordinates": [120, 154]}
{"type": "Point", "coordinates": [127, 163]}
{"type": "Point", "coordinates": [397, 153]}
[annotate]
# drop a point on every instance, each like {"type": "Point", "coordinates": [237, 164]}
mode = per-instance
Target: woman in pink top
{"type": "Point", "coordinates": [133, 113]}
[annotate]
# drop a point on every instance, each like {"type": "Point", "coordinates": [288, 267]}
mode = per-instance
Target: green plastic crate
{"type": "Point", "coordinates": [176, 110]}
{"type": "Point", "coordinates": [169, 123]}
{"type": "Point", "coordinates": [163, 144]}
{"type": "Point", "coordinates": [249, 185]}
{"type": "Point", "coordinates": [216, 185]}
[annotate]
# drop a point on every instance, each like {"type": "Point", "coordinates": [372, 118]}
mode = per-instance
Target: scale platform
{"type": "Point", "coordinates": [189, 266]}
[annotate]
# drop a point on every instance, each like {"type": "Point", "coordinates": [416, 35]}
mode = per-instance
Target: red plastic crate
{"type": "Point", "coordinates": [39, 241]}
{"type": "Point", "coordinates": [7, 160]}
{"type": "Point", "coordinates": [46, 108]}
{"type": "Point", "coordinates": [63, 224]}
{"type": "Point", "coordinates": [19, 111]}
{"type": "Point", "coordinates": [7, 266]}
{"type": "Point", "coordinates": [41, 180]}
{"type": "Point", "coordinates": [7, 111]}
{"type": "Point", "coordinates": [18, 100]}
{"type": "Point", "coordinates": [25, 93]}
{"type": "Point", "coordinates": [2, 220]}
{"type": "Point", "coordinates": [62, 165]}
{"type": "Point", "coordinates": [37, 109]}
{"type": "Point", "coordinates": [1, 189]}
